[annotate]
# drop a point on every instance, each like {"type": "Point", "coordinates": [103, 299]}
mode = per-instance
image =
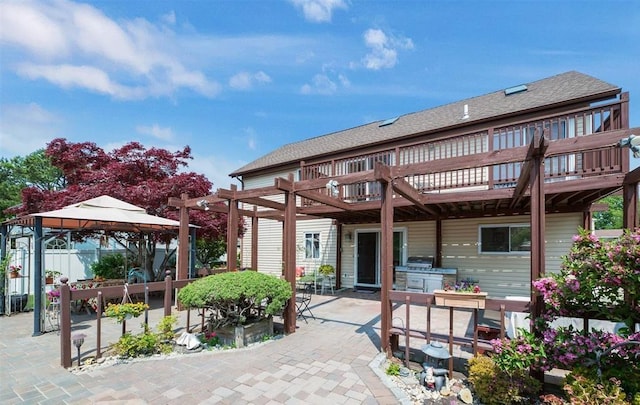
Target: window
{"type": "Point", "coordinates": [505, 238]}
{"type": "Point", "coordinates": [312, 245]}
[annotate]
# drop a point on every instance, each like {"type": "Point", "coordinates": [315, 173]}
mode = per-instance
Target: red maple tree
{"type": "Point", "coordinates": [142, 177]}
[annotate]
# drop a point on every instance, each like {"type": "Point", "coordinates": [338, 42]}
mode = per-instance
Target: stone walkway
{"type": "Point", "coordinates": [327, 360]}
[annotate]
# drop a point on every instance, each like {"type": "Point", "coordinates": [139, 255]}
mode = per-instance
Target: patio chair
{"type": "Point", "coordinates": [303, 299]}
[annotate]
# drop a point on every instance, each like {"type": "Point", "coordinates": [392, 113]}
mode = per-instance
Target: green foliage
{"type": "Point", "coordinates": [237, 297]}
{"type": "Point", "coordinates": [326, 270]}
{"type": "Point", "coordinates": [587, 390]}
{"type": "Point", "coordinates": [518, 355]}
{"type": "Point", "coordinates": [146, 343]}
{"type": "Point", "coordinates": [109, 266]}
{"type": "Point", "coordinates": [208, 251]}
{"type": "Point", "coordinates": [493, 386]}
{"type": "Point", "coordinates": [393, 369]}
{"type": "Point", "coordinates": [126, 310]}
{"type": "Point", "coordinates": [17, 173]}
{"type": "Point", "coordinates": [165, 327]}
{"type": "Point", "coordinates": [612, 218]}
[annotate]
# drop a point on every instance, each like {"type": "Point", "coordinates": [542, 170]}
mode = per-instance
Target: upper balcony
{"type": "Point", "coordinates": [564, 164]}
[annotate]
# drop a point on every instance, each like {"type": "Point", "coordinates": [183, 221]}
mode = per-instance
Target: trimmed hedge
{"type": "Point", "coordinates": [237, 298]}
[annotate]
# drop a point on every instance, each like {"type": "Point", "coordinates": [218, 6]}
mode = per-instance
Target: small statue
{"type": "Point", "coordinates": [429, 380]}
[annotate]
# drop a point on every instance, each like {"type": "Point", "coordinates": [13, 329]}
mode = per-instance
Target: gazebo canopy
{"type": "Point", "coordinates": [101, 213]}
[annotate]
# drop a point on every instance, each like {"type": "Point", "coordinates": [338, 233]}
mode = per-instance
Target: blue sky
{"type": "Point", "coordinates": [236, 79]}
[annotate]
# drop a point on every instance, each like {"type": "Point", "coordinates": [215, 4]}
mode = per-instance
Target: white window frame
{"type": "Point", "coordinates": [509, 251]}
{"type": "Point", "coordinates": [312, 245]}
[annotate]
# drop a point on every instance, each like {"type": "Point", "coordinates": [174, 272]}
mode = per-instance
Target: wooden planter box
{"type": "Point", "coordinates": [460, 299]}
{"type": "Point", "coordinates": [240, 336]}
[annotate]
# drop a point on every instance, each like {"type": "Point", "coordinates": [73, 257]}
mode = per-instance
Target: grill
{"type": "Point", "coordinates": [419, 275]}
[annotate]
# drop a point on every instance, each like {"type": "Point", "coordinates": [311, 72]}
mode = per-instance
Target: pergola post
{"type": "Point", "coordinates": [232, 232]}
{"type": "Point", "coordinates": [254, 239]}
{"type": "Point", "coordinates": [386, 254]}
{"type": "Point", "coordinates": [630, 206]}
{"type": "Point", "coordinates": [289, 252]}
{"type": "Point", "coordinates": [183, 240]}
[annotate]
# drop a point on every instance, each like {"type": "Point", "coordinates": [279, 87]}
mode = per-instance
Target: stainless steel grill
{"type": "Point", "coordinates": [419, 275]}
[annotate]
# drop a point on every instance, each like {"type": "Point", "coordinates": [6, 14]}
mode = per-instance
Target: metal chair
{"type": "Point", "coordinates": [303, 299]}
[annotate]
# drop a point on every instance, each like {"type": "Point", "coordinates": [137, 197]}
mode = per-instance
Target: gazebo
{"type": "Point", "coordinates": [101, 213]}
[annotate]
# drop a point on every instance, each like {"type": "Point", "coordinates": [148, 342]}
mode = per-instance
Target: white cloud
{"type": "Point", "coordinates": [155, 130]}
{"type": "Point", "coordinates": [251, 138]}
{"type": "Point", "coordinates": [319, 10]}
{"type": "Point", "coordinates": [128, 58]}
{"type": "Point", "coordinates": [246, 80]}
{"type": "Point", "coordinates": [26, 128]}
{"type": "Point", "coordinates": [320, 84]}
{"type": "Point", "coordinates": [169, 18]}
{"type": "Point", "coordinates": [383, 49]}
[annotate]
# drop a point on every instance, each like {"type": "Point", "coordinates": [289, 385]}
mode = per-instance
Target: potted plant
{"type": "Point", "coordinates": [326, 270]}
{"type": "Point", "coordinates": [125, 310]}
{"type": "Point", "coordinates": [463, 294]}
{"type": "Point", "coordinates": [50, 276]}
{"type": "Point", "coordinates": [243, 304]}
{"type": "Point", "coordinates": [14, 270]}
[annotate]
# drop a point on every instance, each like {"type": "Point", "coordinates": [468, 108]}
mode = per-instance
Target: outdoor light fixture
{"type": "Point", "coordinates": [78, 340]}
{"type": "Point", "coordinates": [332, 188]}
{"type": "Point", "coordinates": [203, 204]}
{"type": "Point", "coordinates": [633, 142]}
{"type": "Point", "coordinates": [348, 236]}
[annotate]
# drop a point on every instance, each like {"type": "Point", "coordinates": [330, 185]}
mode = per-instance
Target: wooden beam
{"type": "Point", "coordinates": [632, 177]}
{"type": "Point", "coordinates": [324, 199]}
{"type": "Point", "coordinates": [350, 178]}
{"type": "Point", "coordinates": [382, 173]}
{"type": "Point", "coordinates": [386, 264]}
{"type": "Point", "coordinates": [590, 142]}
{"type": "Point", "coordinates": [264, 202]}
{"type": "Point", "coordinates": [284, 184]}
{"type": "Point", "coordinates": [257, 192]}
{"type": "Point", "coordinates": [232, 233]}
{"type": "Point", "coordinates": [407, 191]}
{"type": "Point", "coordinates": [537, 147]}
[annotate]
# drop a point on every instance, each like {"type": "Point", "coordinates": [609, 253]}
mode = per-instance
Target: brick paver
{"type": "Point", "coordinates": [325, 361]}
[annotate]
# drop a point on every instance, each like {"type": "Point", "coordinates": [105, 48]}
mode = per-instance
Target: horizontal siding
{"type": "Point", "coordinates": [507, 274]}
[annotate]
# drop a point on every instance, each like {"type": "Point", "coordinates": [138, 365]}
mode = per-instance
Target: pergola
{"type": "Point", "coordinates": [400, 201]}
{"type": "Point", "coordinates": [102, 213]}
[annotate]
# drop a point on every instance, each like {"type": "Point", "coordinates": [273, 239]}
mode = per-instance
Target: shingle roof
{"type": "Point", "coordinates": [563, 88]}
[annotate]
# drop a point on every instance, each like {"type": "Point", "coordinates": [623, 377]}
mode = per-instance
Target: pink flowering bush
{"type": "Point", "coordinates": [597, 280]}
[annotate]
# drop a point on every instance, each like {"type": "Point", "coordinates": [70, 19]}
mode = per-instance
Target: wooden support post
{"type": "Point", "coordinates": [232, 232]}
{"type": "Point", "coordinates": [65, 323]}
{"type": "Point", "coordinates": [289, 255]}
{"type": "Point", "coordinates": [183, 240]}
{"type": "Point", "coordinates": [386, 262]}
{"type": "Point", "coordinates": [254, 239]}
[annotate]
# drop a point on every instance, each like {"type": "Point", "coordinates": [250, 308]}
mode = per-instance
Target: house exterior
{"type": "Point", "coordinates": [463, 187]}
{"type": "Point", "coordinates": [480, 208]}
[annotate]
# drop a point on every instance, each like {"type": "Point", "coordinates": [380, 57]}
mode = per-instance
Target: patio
{"type": "Point", "coordinates": [330, 362]}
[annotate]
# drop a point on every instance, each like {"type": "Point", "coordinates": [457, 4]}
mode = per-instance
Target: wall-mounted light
{"type": "Point", "coordinates": [332, 188]}
{"type": "Point", "coordinates": [203, 204]}
{"type": "Point", "coordinates": [348, 236]}
{"type": "Point", "coordinates": [633, 142]}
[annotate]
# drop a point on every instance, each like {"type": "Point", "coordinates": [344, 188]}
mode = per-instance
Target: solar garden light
{"type": "Point", "coordinates": [78, 340]}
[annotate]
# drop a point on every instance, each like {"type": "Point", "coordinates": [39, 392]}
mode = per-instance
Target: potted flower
{"type": "Point", "coordinates": [463, 294]}
{"type": "Point", "coordinates": [326, 270]}
{"type": "Point", "coordinates": [53, 295]}
{"type": "Point", "coordinates": [125, 310]}
{"type": "Point", "coordinates": [14, 270]}
{"type": "Point", "coordinates": [50, 275]}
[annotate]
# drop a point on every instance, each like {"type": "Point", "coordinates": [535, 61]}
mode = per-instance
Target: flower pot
{"type": "Point", "coordinates": [48, 280]}
{"type": "Point", "coordinates": [460, 299]}
{"type": "Point", "coordinates": [14, 274]}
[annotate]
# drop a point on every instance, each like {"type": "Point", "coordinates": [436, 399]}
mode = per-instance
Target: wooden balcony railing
{"type": "Point", "coordinates": [580, 122]}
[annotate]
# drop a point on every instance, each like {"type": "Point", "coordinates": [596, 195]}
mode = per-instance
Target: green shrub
{"type": "Point", "coordinates": [586, 390]}
{"type": "Point", "coordinates": [165, 327]}
{"type": "Point", "coordinates": [109, 266]}
{"type": "Point", "coordinates": [326, 270]}
{"type": "Point", "coordinates": [237, 298]}
{"type": "Point", "coordinates": [393, 369]}
{"type": "Point", "coordinates": [146, 343]}
{"type": "Point", "coordinates": [494, 386]}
